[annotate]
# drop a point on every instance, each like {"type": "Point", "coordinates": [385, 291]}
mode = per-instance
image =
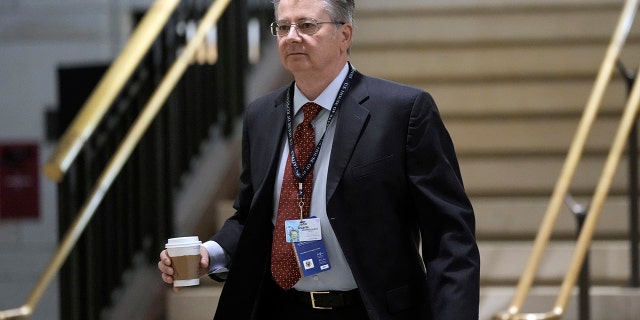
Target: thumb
{"type": "Point", "coordinates": [204, 258]}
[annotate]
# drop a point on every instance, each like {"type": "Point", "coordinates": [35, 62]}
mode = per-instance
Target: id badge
{"type": "Point", "coordinates": [303, 230]}
{"type": "Point", "coordinates": [312, 257]}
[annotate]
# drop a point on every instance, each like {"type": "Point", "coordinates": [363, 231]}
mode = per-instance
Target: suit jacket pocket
{"type": "Point", "coordinates": [372, 168]}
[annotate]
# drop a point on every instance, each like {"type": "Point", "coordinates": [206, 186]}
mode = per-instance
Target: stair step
{"type": "Point", "coordinates": [530, 135]}
{"type": "Point", "coordinates": [491, 26]}
{"type": "Point", "coordinates": [427, 64]}
{"type": "Point", "coordinates": [519, 218]}
{"type": "Point", "coordinates": [502, 263]}
{"type": "Point", "coordinates": [532, 97]}
{"type": "Point", "coordinates": [411, 5]}
{"type": "Point", "coordinates": [534, 175]}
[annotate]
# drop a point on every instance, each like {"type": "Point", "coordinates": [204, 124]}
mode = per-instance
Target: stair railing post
{"type": "Point", "coordinates": [584, 282]}
{"type": "Point", "coordinates": [634, 186]}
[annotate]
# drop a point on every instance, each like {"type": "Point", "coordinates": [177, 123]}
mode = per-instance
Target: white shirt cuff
{"type": "Point", "coordinates": [218, 259]}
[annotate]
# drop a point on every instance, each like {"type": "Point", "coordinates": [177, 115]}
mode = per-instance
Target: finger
{"type": "Point", "coordinates": [204, 254]}
{"type": "Point", "coordinates": [164, 268]}
{"type": "Point", "coordinates": [167, 278]}
{"type": "Point", "coordinates": [164, 257]}
{"type": "Point", "coordinates": [204, 261]}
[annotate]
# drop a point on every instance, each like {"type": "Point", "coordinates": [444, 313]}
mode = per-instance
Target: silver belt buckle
{"type": "Point", "coordinates": [313, 299]}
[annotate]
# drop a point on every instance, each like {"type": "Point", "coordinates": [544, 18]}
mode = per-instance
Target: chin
{"type": "Point", "coordinates": [294, 67]}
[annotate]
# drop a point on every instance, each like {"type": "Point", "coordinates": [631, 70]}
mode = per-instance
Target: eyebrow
{"type": "Point", "coordinates": [300, 19]}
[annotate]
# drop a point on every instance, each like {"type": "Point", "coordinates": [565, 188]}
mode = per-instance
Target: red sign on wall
{"type": "Point", "coordinates": [19, 181]}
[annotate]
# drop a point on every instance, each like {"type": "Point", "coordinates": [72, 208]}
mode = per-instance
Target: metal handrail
{"type": "Point", "coordinates": [568, 170]}
{"type": "Point", "coordinates": [118, 160]}
{"type": "Point", "coordinates": [106, 91]}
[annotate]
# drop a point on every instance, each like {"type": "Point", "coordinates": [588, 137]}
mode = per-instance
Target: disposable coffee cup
{"type": "Point", "coordinates": [185, 260]}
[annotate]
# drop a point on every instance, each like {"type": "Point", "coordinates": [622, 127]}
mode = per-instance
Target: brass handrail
{"type": "Point", "coordinates": [118, 160]}
{"type": "Point", "coordinates": [108, 88]}
{"type": "Point", "coordinates": [568, 170]}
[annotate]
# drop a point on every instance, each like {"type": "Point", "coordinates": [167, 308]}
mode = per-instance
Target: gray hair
{"type": "Point", "coordinates": [339, 10]}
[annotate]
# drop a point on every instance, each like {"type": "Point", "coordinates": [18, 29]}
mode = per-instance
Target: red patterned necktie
{"type": "Point", "coordinates": [284, 264]}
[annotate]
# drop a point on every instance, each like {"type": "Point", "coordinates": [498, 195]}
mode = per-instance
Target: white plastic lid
{"type": "Point", "coordinates": [182, 241]}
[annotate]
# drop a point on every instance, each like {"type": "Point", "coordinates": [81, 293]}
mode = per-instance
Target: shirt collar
{"type": "Point", "coordinates": [327, 97]}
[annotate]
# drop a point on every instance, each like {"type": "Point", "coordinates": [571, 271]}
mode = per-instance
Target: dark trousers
{"type": "Point", "coordinates": [276, 303]}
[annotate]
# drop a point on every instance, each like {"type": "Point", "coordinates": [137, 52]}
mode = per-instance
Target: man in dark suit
{"type": "Point", "coordinates": [384, 186]}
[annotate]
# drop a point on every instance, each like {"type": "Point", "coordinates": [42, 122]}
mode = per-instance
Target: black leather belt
{"type": "Point", "coordinates": [327, 299]}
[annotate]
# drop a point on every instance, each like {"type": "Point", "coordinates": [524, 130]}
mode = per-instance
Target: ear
{"type": "Point", "coordinates": [346, 34]}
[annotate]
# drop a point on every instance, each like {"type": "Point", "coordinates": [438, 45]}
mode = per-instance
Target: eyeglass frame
{"type": "Point", "coordinates": [273, 27]}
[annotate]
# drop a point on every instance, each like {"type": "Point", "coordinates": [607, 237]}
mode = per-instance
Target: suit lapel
{"type": "Point", "coordinates": [271, 145]}
{"type": "Point", "coordinates": [352, 119]}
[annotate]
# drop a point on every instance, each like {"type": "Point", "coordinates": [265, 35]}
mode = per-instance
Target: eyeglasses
{"type": "Point", "coordinates": [307, 26]}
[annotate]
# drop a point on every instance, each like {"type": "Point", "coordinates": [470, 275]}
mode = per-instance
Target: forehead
{"type": "Point", "coordinates": [293, 10]}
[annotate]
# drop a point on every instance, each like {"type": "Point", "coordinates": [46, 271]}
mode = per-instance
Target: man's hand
{"type": "Point", "coordinates": [164, 265]}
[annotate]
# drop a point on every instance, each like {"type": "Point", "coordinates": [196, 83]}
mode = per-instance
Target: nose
{"type": "Point", "coordinates": [293, 27]}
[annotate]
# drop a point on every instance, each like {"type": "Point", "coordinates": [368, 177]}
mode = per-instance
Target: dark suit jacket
{"type": "Point", "coordinates": [393, 181]}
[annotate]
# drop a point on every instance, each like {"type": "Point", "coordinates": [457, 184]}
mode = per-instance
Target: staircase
{"type": "Point", "coordinates": [511, 79]}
